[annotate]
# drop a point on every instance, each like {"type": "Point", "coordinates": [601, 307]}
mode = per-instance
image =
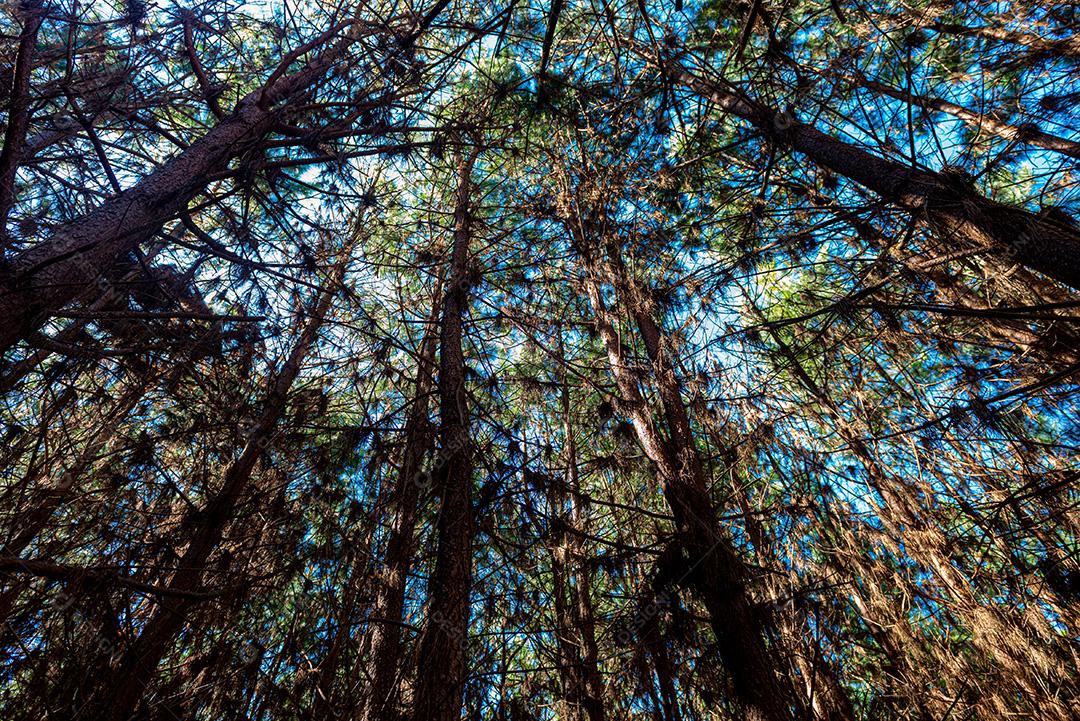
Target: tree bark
{"type": "Point", "coordinates": [1058, 349]}
{"type": "Point", "coordinates": [1063, 47]}
{"type": "Point", "coordinates": [574, 617]}
{"type": "Point", "coordinates": [18, 119]}
{"type": "Point", "coordinates": [997, 636]}
{"type": "Point", "coordinates": [443, 653]}
{"type": "Point", "coordinates": [585, 616]}
{"type": "Point", "coordinates": [384, 634]}
{"type": "Point", "coordinates": [961, 215]}
{"type": "Point", "coordinates": [1026, 134]}
{"type": "Point", "coordinates": [38, 282]}
{"type": "Point", "coordinates": [139, 664]}
{"type": "Point", "coordinates": [712, 566]}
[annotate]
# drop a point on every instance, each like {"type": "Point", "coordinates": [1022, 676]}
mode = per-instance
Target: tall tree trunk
{"type": "Point", "coordinates": [18, 117]}
{"type": "Point", "coordinates": [655, 643]}
{"type": "Point", "coordinates": [443, 653]}
{"type": "Point", "coordinates": [584, 615]}
{"type": "Point", "coordinates": [1059, 348]}
{"type": "Point", "coordinates": [139, 664]}
{"type": "Point", "coordinates": [575, 624]}
{"type": "Point", "coordinates": [829, 695]}
{"type": "Point", "coordinates": [961, 216]}
{"type": "Point", "coordinates": [998, 637]}
{"type": "Point", "coordinates": [1068, 47]}
{"type": "Point", "coordinates": [384, 634]}
{"type": "Point", "coordinates": [30, 525]}
{"type": "Point", "coordinates": [712, 566]}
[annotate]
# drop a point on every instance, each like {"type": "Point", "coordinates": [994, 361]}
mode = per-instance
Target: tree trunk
{"type": "Point", "coordinates": [575, 624]}
{"type": "Point", "coordinates": [443, 653]}
{"type": "Point", "coordinates": [1058, 348]}
{"type": "Point", "coordinates": [997, 636]}
{"type": "Point", "coordinates": [1027, 134]}
{"type": "Point", "coordinates": [384, 634]}
{"type": "Point", "coordinates": [961, 216]}
{"type": "Point", "coordinates": [139, 665]}
{"type": "Point", "coordinates": [18, 119]}
{"type": "Point", "coordinates": [584, 616]}
{"type": "Point", "coordinates": [38, 282]}
{"type": "Point", "coordinates": [712, 567]}
{"type": "Point", "coordinates": [1063, 47]}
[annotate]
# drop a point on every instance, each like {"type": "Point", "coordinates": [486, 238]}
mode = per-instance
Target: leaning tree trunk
{"type": "Point", "coordinates": [996, 635]}
{"type": "Point", "coordinates": [38, 282]}
{"type": "Point", "coordinates": [443, 654]}
{"type": "Point", "coordinates": [139, 664]}
{"type": "Point", "coordinates": [680, 430]}
{"type": "Point", "coordinates": [1068, 47]}
{"type": "Point", "coordinates": [1027, 134]}
{"type": "Point", "coordinates": [1058, 346]}
{"type": "Point", "coordinates": [960, 214]}
{"type": "Point", "coordinates": [713, 568]}
{"type": "Point", "coordinates": [18, 116]}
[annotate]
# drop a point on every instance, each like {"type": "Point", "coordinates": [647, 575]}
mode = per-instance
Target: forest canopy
{"type": "Point", "coordinates": [578, 360]}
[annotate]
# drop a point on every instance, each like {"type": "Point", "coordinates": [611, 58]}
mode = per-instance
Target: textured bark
{"type": "Point", "coordinates": [965, 219]}
{"type": "Point", "coordinates": [41, 280]}
{"type": "Point", "coordinates": [583, 689]}
{"type": "Point", "coordinates": [1068, 47]}
{"type": "Point", "coordinates": [1059, 348]}
{"type": "Point", "coordinates": [35, 521]}
{"type": "Point", "coordinates": [713, 569]}
{"type": "Point", "coordinates": [139, 664]}
{"type": "Point", "coordinates": [443, 653]}
{"type": "Point", "coordinates": [585, 616]}
{"type": "Point", "coordinates": [384, 634]}
{"type": "Point", "coordinates": [18, 118]}
{"type": "Point", "coordinates": [32, 524]}
{"type": "Point", "coordinates": [656, 645]}
{"type": "Point", "coordinates": [997, 636]}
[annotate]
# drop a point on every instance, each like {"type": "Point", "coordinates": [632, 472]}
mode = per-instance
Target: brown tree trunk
{"type": "Point", "coordinates": [18, 119]}
{"type": "Point", "coordinates": [575, 624]}
{"type": "Point", "coordinates": [1059, 348]}
{"type": "Point", "coordinates": [384, 634]}
{"type": "Point", "coordinates": [40, 281]}
{"type": "Point", "coordinates": [712, 567]}
{"type": "Point", "coordinates": [443, 653]}
{"type": "Point", "coordinates": [584, 615]}
{"type": "Point", "coordinates": [961, 216]}
{"type": "Point", "coordinates": [999, 637]}
{"type": "Point", "coordinates": [655, 643]}
{"type": "Point", "coordinates": [1068, 47]}
{"type": "Point", "coordinates": [139, 664]}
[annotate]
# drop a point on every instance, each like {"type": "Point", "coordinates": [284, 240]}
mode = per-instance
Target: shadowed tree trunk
{"type": "Point", "coordinates": [1026, 134]}
{"type": "Point", "coordinates": [575, 624]}
{"type": "Point", "coordinates": [443, 654]}
{"type": "Point", "coordinates": [993, 634]}
{"type": "Point", "coordinates": [18, 118]}
{"type": "Point", "coordinates": [1068, 47]}
{"type": "Point", "coordinates": [38, 282]}
{"type": "Point", "coordinates": [585, 617]}
{"type": "Point", "coordinates": [1058, 348]}
{"type": "Point", "coordinates": [712, 567]}
{"type": "Point", "coordinates": [384, 634]}
{"type": "Point", "coordinates": [139, 664]}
